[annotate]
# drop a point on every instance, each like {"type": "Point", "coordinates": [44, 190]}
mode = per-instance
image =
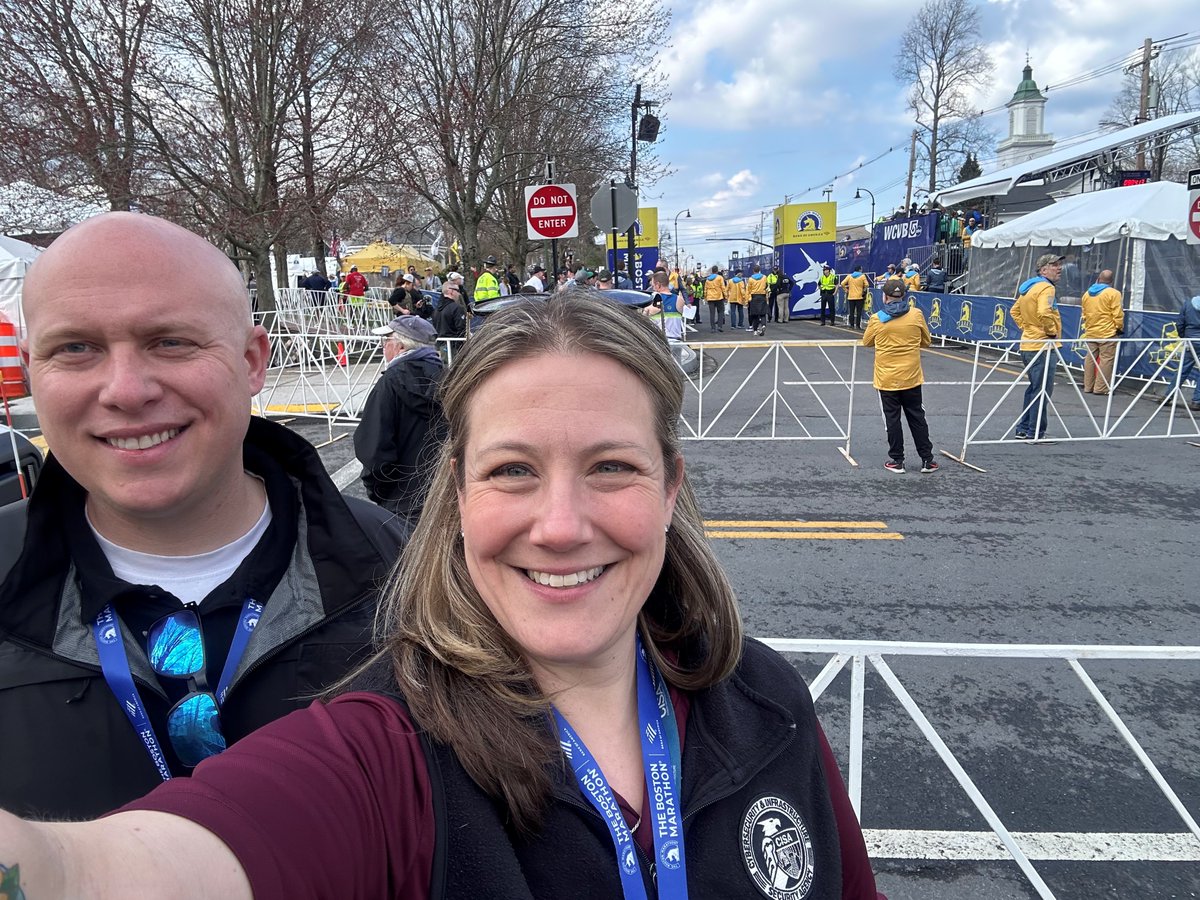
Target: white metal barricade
{"type": "Point", "coordinates": [859, 653]}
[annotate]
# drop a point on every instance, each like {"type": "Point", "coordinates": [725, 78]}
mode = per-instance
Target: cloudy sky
{"type": "Point", "coordinates": [774, 98]}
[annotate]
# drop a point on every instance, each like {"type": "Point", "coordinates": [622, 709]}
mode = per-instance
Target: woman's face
{"type": "Point", "coordinates": [564, 506]}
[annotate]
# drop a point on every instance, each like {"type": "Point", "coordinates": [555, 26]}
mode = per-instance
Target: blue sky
{"type": "Point", "coordinates": [773, 97]}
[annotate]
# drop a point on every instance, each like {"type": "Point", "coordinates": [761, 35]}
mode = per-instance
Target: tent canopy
{"type": "Point", "coordinates": [1154, 212]}
{"type": "Point", "coordinates": [1060, 161]}
{"type": "Point", "coordinates": [15, 257]}
{"type": "Point", "coordinates": [397, 257]}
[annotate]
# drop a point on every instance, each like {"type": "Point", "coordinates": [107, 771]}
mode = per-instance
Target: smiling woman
{"type": "Point", "coordinates": [563, 704]}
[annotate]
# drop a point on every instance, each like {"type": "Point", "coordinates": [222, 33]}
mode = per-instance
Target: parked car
{"type": "Point", "coordinates": [26, 461]}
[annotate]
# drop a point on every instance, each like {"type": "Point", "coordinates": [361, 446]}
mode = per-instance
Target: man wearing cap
{"type": "Point", "coordinates": [431, 282]}
{"type": "Point", "coordinates": [583, 275]}
{"type": "Point", "coordinates": [537, 278]}
{"type": "Point", "coordinates": [166, 515]}
{"type": "Point", "coordinates": [1036, 313]}
{"type": "Point", "coordinates": [402, 424]}
{"type": "Point", "coordinates": [1103, 319]}
{"type": "Point", "coordinates": [827, 284]}
{"type": "Point", "coordinates": [886, 275]}
{"type": "Point", "coordinates": [604, 279]}
{"type": "Point", "coordinates": [898, 332]}
{"type": "Point", "coordinates": [487, 286]}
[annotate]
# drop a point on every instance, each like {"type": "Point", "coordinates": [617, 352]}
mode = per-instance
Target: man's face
{"type": "Point", "coordinates": [1051, 271]}
{"type": "Point", "coordinates": [143, 380]}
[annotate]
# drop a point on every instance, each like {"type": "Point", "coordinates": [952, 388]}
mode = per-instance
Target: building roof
{"type": "Point", "coordinates": [1027, 89]}
{"type": "Point", "coordinates": [1063, 161]}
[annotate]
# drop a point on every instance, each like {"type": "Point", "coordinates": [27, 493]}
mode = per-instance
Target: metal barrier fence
{"type": "Point", "coordinates": [324, 361]}
{"type": "Point", "coordinates": [1106, 846]}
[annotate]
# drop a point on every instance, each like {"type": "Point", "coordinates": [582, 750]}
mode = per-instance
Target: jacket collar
{"type": "Point", "coordinates": [313, 531]}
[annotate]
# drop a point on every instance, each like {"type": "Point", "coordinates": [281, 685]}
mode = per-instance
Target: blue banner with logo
{"type": "Point", "coordinates": [892, 241]}
{"type": "Point", "coordinates": [851, 254]}
{"type": "Point", "coordinates": [965, 317]}
{"type": "Point", "coordinates": [747, 263]}
{"type": "Point", "coordinates": [644, 261]}
{"type": "Point", "coordinates": [803, 263]}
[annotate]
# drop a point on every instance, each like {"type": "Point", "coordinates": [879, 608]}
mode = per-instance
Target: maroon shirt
{"type": "Point", "coordinates": [303, 807]}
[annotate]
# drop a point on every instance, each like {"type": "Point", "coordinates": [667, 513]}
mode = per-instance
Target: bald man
{"type": "Point", "coordinates": [1103, 319]}
{"type": "Point", "coordinates": [188, 573]}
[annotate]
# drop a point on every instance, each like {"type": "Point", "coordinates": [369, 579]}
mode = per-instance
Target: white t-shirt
{"type": "Point", "coordinates": [190, 578]}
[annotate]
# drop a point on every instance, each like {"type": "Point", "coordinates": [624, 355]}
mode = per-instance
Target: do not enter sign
{"type": "Point", "coordinates": [551, 211]}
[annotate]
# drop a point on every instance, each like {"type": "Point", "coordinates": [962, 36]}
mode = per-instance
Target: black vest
{"type": "Point", "coordinates": [753, 788]}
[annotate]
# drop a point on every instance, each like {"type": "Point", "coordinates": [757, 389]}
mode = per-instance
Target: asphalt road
{"type": "Point", "coordinates": [1073, 543]}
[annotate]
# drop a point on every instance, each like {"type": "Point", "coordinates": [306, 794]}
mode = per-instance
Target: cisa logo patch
{"type": "Point", "coordinates": [777, 849]}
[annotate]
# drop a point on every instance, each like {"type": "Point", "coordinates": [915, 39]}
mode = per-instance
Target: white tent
{"type": "Point", "coordinates": [1139, 232]}
{"type": "Point", "coordinates": [1153, 212]}
{"type": "Point", "coordinates": [15, 257]}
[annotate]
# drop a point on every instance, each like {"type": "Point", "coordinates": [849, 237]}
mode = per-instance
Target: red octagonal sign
{"type": "Point", "coordinates": [1194, 218]}
{"type": "Point", "coordinates": [551, 211]}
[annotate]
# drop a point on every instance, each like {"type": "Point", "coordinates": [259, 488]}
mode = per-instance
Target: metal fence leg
{"type": "Point", "coordinates": [850, 406]}
{"type": "Point", "coordinates": [960, 774]}
{"type": "Point", "coordinates": [857, 679]}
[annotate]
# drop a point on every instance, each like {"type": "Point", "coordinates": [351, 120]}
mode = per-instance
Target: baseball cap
{"type": "Point", "coordinates": [1047, 259]}
{"type": "Point", "coordinates": [895, 287]}
{"type": "Point", "coordinates": [490, 261]}
{"type": "Point", "coordinates": [453, 276]}
{"type": "Point", "coordinates": [826, 266]}
{"type": "Point", "coordinates": [537, 269]}
{"type": "Point", "coordinates": [408, 276]}
{"type": "Point", "coordinates": [603, 275]}
{"type": "Point", "coordinates": [413, 327]}
{"type": "Point", "coordinates": [583, 273]}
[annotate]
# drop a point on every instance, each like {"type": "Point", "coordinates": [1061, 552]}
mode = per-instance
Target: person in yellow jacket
{"type": "Point", "coordinates": [1103, 319]}
{"type": "Point", "coordinates": [758, 287]}
{"type": "Point", "coordinates": [737, 295]}
{"type": "Point", "coordinates": [827, 284]}
{"type": "Point", "coordinates": [912, 276]}
{"type": "Point", "coordinates": [898, 332]}
{"type": "Point", "coordinates": [714, 296]}
{"type": "Point", "coordinates": [487, 287]}
{"type": "Point", "coordinates": [855, 286]}
{"type": "Point", "coordinates": [1036, 313]}
{"type": "Point", "coordinates": [772, 291]}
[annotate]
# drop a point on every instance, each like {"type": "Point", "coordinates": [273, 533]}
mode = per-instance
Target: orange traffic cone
{"type": "Point", "coordinates": [341, 355]}
{"type": "Point", "coordinates": [12, 377]}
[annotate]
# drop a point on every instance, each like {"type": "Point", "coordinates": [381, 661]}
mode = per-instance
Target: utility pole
{"type": "Point", "coordinates": [631, 234]}
{"type": "Point", "coordinates": [912, 169]}
{"type": "Point", "coordinates": [1143, 102]}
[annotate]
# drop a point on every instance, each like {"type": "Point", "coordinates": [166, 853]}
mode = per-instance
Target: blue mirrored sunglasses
{"type": "Point", "coordinates": [176, 649]}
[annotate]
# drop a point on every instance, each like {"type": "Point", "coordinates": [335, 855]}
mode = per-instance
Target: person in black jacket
{"type": "Point", "coordinates": [450, 320]}
{"type": "Point", "coordinates": [165, 517]}
{"type": "Point", "coordinates": [401, 425]}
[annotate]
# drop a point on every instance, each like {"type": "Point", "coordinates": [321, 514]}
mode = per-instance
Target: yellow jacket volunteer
{"type": "Point", "coordinates": [855, 286]}
{"type": "Point", "coordinates": [1102, 313]}
{"type": "Point", "coordinates": [1036, 313]}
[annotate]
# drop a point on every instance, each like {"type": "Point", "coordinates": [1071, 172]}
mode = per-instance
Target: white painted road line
{"type": "Point", "coordinates": [347, 474]}
{"type": "Point", "coordinates": [1038, 845]}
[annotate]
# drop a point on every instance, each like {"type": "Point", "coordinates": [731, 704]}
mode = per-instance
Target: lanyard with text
{"type": "Point", "coordinates": [115, 664]}
{"type": "Point", "coordinates": [661, 761]}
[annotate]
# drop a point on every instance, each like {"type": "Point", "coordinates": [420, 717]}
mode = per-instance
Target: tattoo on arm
{"type": "Point", "coordinates": [10, 882]}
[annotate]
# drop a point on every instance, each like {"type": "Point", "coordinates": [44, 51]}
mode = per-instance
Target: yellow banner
{"type": "Point", "coordinates": [646, 229]}
{"type": "Point", "coordinates": [805, 223]}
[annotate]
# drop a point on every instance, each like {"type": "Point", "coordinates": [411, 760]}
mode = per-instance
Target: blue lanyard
{"type": "Point", "coordinates": [661, 762]}
{"type": "Point", "coordinates": [114, 663]}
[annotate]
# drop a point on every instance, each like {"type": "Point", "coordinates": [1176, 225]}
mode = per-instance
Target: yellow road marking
{"type": "Point", "coordinates": [809, 535]}
{"type": "Point", "coordinates": [39, 442]}
{"type": "Point", "coordinates": [301, 408]}
{"type": "Point", "coordinates": [750, 523]}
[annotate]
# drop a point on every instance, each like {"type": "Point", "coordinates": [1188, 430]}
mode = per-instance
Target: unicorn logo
{"type": "Point", "coordinates": [935, 313]}
{"type": "Point", "coordinates": [999, 330]}
{"type": "Point", "coordinates": [964, 317]}
{"type": "Point", "coordinates": [809, 220]}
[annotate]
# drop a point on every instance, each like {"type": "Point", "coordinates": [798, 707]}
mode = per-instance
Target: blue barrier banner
{"type": "Point", "coordinates": [966, 317]}
{"type": "Point", "coordinates": [892, 240]}
{"type": "Point", "coordinates": [853, 253]}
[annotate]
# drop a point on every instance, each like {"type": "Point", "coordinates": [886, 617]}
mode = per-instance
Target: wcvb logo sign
{"type": "Point", "coordinates": [901, 230]}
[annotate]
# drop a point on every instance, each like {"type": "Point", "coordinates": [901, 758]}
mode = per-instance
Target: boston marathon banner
{"type": "Point", "coordinates": [893, 241]}
{"type": "Point", "coordinates": [966, 317]}
{"type": "Point", "coordinates": [645, 254]}
{"type": "Point", "coordinates": [805, 240]}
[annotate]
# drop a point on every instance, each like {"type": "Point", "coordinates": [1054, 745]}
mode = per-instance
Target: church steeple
{"type": "Point", "coordinates": [1026, 123]}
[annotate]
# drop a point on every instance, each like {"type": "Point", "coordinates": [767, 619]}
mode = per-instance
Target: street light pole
{"type": "Point", "coordinates": [677, 215]}
{"type": "Point", "coordinates": [871, 227]}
